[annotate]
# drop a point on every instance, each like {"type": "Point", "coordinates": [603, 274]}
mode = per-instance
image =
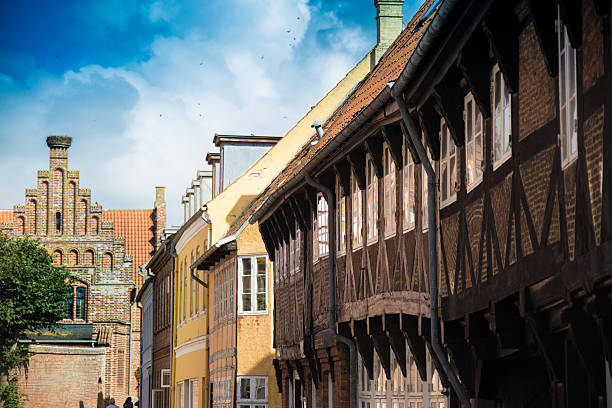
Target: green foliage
{"type": "Point", "coordinates": [32, 297]}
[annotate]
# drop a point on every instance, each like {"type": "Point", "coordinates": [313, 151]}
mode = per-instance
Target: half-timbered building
{"type": "Point", "coordinates": [450, 222]}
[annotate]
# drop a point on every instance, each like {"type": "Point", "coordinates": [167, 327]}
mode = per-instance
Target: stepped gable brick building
{"type": "Point", "coordinates": [88, 360]}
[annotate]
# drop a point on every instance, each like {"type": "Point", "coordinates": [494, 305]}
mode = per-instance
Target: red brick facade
{"type": "Point", "coordinates": [104, 261]}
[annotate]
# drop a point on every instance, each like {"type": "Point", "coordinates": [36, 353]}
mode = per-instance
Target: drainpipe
{"type": "Point", "coordinates": [330, 198]}
{"type": "Point", "coordinates": [433, 255]}
{"type": "Point", "coordinates": [129, 384]}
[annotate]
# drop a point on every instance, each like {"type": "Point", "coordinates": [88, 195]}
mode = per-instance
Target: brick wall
{"type": "Point", "coordinates": [81, 369]}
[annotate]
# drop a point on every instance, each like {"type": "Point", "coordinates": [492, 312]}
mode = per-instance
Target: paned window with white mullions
{"type": "Point", "coordinates": [372, 201]}
{"type": "Point", "coordinates": [408, 216]}
{"type": "Point", "coordinates": [291, 256]}
{"type": "Point", "coordinates": [252, 285]}
{"type": "Point", "coordinates": [448, 166]}
{"type": "Point", "coordinates": [502, 118]}
{"type": "Point", "coordinates": [356, 213]}
{"type": "Point", "coordinates": [340, 219]}
{"type": "Point", "coordinates": [252, 392]}
{"type": "Point", "coordinates": [473, 142]}
{"type": "Point", "coordinates": [389, 191]}
{"type": "Point", "coordinates": [568, 111]}
{"type": "Point", "coordinates": [322, 226]}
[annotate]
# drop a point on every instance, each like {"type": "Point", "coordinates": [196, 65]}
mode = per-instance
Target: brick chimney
{"type": "Point", "coordinates": [388, 26]}
{"type": "Point", "coordinates": [159, 214]}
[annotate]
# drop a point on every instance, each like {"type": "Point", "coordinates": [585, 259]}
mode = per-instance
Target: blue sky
{"type": "Point", "coordinates": [142, 86]}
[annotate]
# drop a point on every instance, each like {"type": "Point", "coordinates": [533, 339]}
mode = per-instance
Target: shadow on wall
{"type": "Point", "coordinates": [239, 207]}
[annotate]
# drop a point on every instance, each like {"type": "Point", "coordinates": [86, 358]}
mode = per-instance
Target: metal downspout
{"type": "Point", "coordinates": [331, 210]}
{"type": "Point", "coordinates": [433, 256]}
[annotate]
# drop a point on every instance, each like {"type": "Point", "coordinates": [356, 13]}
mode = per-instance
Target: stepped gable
{"type": "Point", "coordinates": [137, 227]}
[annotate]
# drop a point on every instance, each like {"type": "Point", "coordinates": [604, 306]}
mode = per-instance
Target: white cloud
{"type": "Point", "coordinates": [151, 123]}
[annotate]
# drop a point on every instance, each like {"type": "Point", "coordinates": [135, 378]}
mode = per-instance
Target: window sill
{"type": "Point", "coordinates": [408, 228]}
{"type": "Point", "coordinates": [448, 202]}
{"type": "Point", "coordinates": [497, 164]}
{"type": "Point", "coordinates": [257, 313]}
{"type": "Point", "coordinates": [571, 160]}
{"type": "Point", "coordinates": [472, 186]}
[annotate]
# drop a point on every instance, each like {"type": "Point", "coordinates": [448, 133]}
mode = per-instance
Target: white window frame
{"type": "Point", "coordinates": [408, 190]}
{"type": "Point", "coordinates": [390, 189]}
{"type": "Point", "coordinates": [371, 201]}
{"type": "Point", "coordinates": [165, 371]}
{"type": "Point", "coordinates": [322, 230]}
{"type": "Point", "coordinates": [424, 193]}
{"type": "Point", "coordinates": [447, 156]}
{"type": "Point", "coordinates": [356, 214]}
{"type": "Point", "coordinates": [255, 290]}
{"type": "Point", "coordinates": [251, 402]}
{"type": "Point", "coordinates": [567, 59]}
{"type": "Point", "coordinates": [341, 219]}
{"type": "Point", "coordinates": [503, 115]}
{"type": "Point", "coordinates": [475, 115]}
{"type": "Point", "coordinates": [291, 256]}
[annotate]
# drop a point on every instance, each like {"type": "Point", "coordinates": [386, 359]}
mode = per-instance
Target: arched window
{"type": "Point", "coordinates": [44, 203]}
{"type": "Point", "coordinates": [21, 226]}
{"type": "Point", "coordinates": [73, 257]}
{"type": "Point", "coordinates": [89, 257]}
{"type": "Point", "coordinates": [57, 257]}
{"type": "Point", "coordinates": [58, 222]}
{"type": "Point", "coordinates": [107, 262]}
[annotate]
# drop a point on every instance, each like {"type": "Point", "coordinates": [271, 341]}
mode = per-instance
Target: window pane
{"type": "Point", "coordinates": [453, 175]}
{"type": "Point", "coordinates": [562, 84]}
{"type": "Point", "coordinates": [260, 388]}
{"type": "Point", "coordinates": [468, 114]}
{"type": "Point", "coordinates": [563, 119]}
{"type": "Point", "coordinates": [69, 303]}
{"type": "Point", "coordinates": [507, 128]}
{"type": "Point", "coordinates": [444, 182]}
{"type": "Point", "coordinates": [571, 71]}
{"type": "Point", "coordinates": [80, 303]}
{"type": "Point", "coordinates": [245, 388]}
{"type": "Point", "coordinates": [478, 159]}
{"type": "Point", "coordinates": [572, 126]}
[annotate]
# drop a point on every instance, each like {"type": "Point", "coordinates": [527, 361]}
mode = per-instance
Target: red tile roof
{"type": "Point", "coordinates": [6, 216]}
{"type": "Point", "coordinates": [387, 70]}
{"type": "Point", "coordinates": [138, 229]}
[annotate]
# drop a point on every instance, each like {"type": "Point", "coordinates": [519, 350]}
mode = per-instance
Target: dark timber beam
{"type": "Point", "coordinates": [289, 218]}
{"type": "Point", "coordinates": [473, 63]}
{"type": "Point", "coordinates": [602, 7]}
{"type": "Point", "coordinates": [409, 325]}
{"type": "Point", "coordinates": [374, 146]}
{"type": "Point", "coordinates": [584, 337]}
{"type": "Point", "coordinates": [356, 158]}
{"type": "Point", "coordinates": [430, 123]}
{"type": "Point", "coordinates": [343, 171]}
{"type": "Point", "coordinates": [462, 357]}
{"type": "Point", "coordinates": [281, 223]}
{"type": "Point", "coordinates": [480, 337]}
{"type": "Point", "coordinates": [411, 148]}
{"type": "Point", "coordinates": [269, 226]}
{"type": "Point", "coordinates": [508, 325]}
{"type": "Point", "coordinates": [501, 28]}
{"type": "Point", "coordinates": [381, 343]}
{"type": "Point", "coordinates": [448, 94]}
{"type": "Point", "coordinates": [571, 13]}
{"type": "Point", "coordinates": [268, 242]}
{"type": "Point", "coordinates": [364, 345]}
{"type": "Point", "coordinates": [397, 341]}
{"type": "Point", "coordinates": [279, 374]}
{"type": "Point", "coordinates": [392, 134]}
{"type": "Point", "coordinates": [300, 204]}
{"type": "Point", "coordinates": [544, 14]}
{"type": "Point", "coordinates": [297, 213]}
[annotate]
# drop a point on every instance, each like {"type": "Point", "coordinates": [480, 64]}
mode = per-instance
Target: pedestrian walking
{"type": "Point", "coordinates": [111, 404]}
{"type": "Point", "coordinates": [128, 403]}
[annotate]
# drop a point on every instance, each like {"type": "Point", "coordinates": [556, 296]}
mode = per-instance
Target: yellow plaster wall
{"type": "Point", "coordinates": [194, 364]}
{"type": "Point", "coordinates": [226, 207]}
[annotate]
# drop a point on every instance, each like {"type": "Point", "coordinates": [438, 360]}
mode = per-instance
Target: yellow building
{"type": "Point", "coordinates": [190, 377]}
{"type": "Point", "coordinates": [240, 275]}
